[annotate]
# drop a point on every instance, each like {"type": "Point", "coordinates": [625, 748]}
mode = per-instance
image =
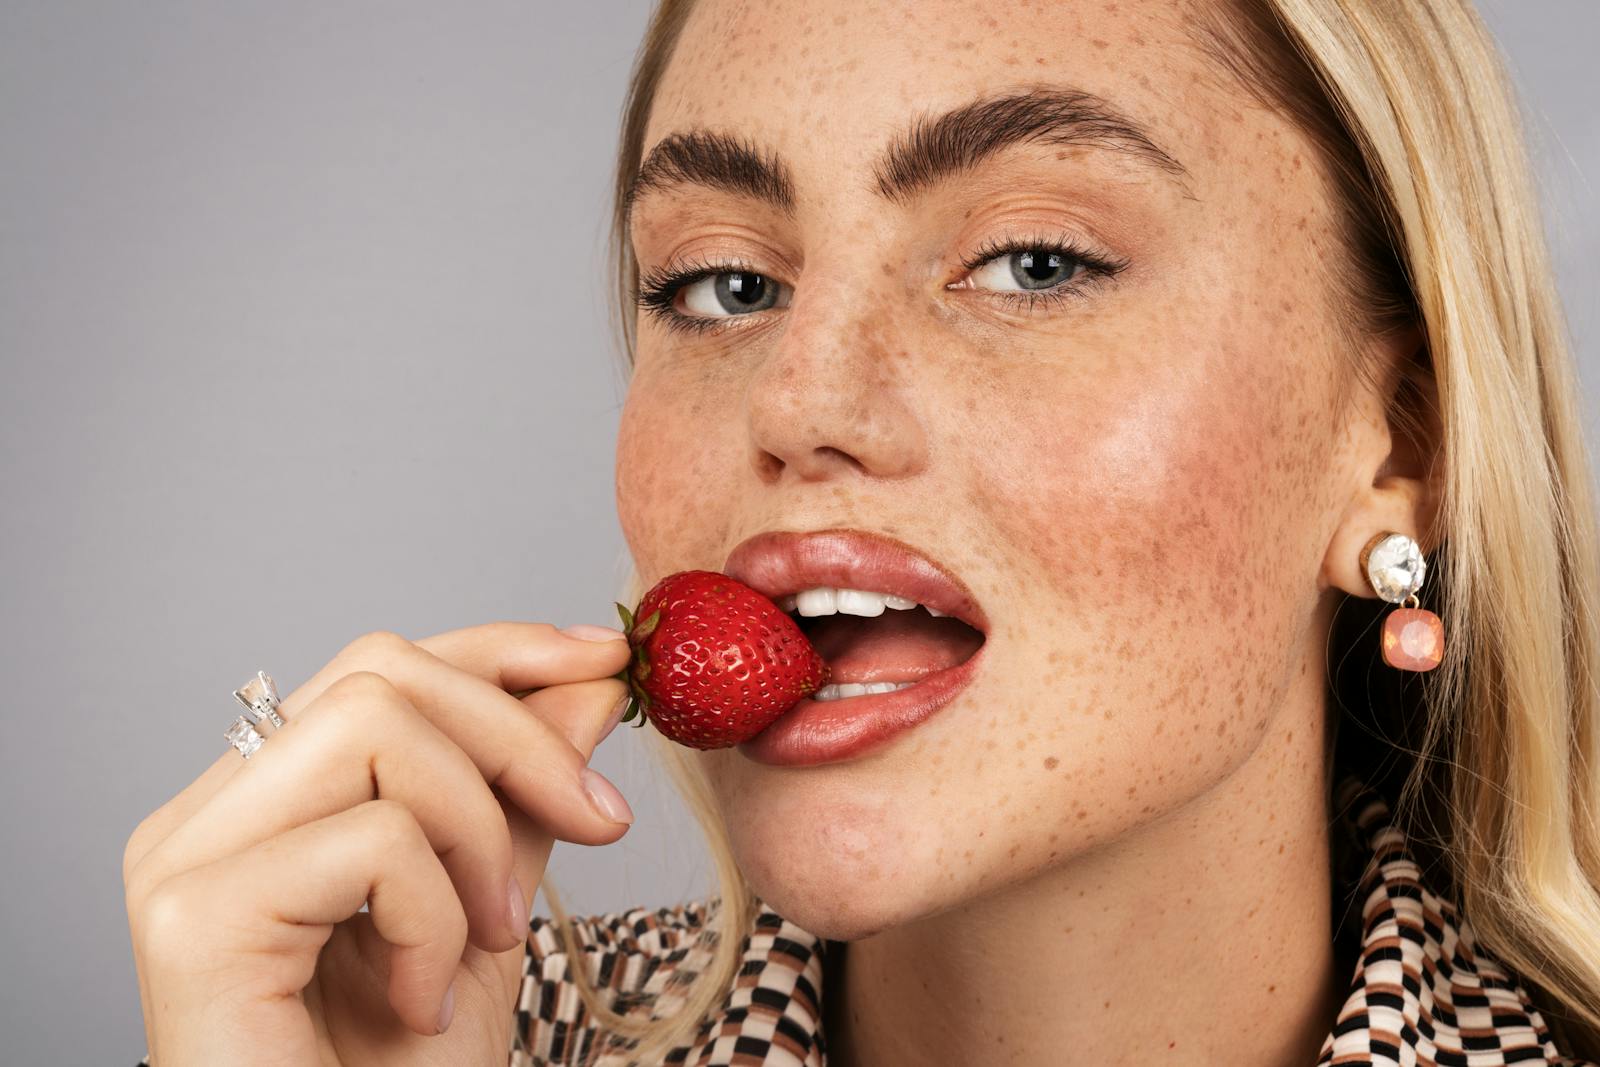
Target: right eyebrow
{"type": "Point", "coordinates": [716, 161]}
{"type": "Point", "coordinates": [931, 150]}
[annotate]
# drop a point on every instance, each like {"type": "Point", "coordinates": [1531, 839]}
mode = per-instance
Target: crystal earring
{"type": "Point", "coordinates": [1413, 637]}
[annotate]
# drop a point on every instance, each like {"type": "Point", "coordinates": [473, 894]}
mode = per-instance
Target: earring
{"type": "Point", "coordinates": [1413, 637]}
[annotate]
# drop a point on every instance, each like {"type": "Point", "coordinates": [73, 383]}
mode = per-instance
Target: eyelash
{"type": "Point", "coordinates": [659, 287]}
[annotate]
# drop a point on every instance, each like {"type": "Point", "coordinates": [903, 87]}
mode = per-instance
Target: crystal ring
{"type": "Point", "coordinates": [260, 699]}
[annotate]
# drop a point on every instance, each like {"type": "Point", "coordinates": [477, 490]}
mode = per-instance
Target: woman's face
{"type": "Point", "coordinates": [1138, 476]}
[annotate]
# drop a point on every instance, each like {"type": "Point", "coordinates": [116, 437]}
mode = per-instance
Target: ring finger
{"type": "Point", "coordinates": [361, 740]}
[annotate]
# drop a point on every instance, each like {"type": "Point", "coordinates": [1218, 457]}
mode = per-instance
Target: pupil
{"type": "Point", "coordinates": [1035, 268]}
{"type": "Point", "coordinates": [742, 289]}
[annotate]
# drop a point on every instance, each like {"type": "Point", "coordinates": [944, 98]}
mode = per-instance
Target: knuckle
{"type": "Point", "coordinates": [394, 828]}
{"type": "Point", "coordinates": [165, 920]}
{"type": "Point", "coordinates": [376, 646]}
{"type": "Point", "coordinates": [366, 710]}
{"type": "Point", "coordinates": [366, 692]}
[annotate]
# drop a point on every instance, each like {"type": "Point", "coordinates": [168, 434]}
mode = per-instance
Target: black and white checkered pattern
{"type": "Point", "coordinates": [1423, 992]}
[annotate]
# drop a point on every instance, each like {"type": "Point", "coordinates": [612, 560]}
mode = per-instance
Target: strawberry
{"type": "Point", "coordinates": [714, 661]}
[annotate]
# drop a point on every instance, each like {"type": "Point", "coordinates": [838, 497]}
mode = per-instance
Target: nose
{"type": "Point", "coordinates": [835, 393]}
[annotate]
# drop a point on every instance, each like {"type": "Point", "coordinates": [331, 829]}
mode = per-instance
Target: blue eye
{"type": "Point", "coordinates": [732, 293]}
{"type": "Point", "coordinates": [1033, 268]}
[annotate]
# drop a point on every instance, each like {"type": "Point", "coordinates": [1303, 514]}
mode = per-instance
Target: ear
{"type": "Point", "coordinates": [1396, 435]}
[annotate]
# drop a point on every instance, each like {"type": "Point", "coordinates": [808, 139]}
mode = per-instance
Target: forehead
{"type": "Point", "coordinates": [828, 84]}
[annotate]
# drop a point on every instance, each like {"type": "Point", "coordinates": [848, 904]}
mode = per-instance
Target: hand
{"type": "Point", "coordinates": [409, 777]}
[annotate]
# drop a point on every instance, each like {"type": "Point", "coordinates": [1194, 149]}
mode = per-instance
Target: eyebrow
{"type": "Point", "coordinates": [931, 150]}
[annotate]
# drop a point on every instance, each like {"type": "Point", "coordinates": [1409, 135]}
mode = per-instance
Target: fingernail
{"type": "Point", "coordinates": [447, 1010]}
{"type": "Point", "coordinates": [616, 716]}
{"type": "Point", "coordinates": [518, 907]}
{"type": "Point", "coordinates": [584, 632]}
{"type": "Point", "coordinates": [605, 798]}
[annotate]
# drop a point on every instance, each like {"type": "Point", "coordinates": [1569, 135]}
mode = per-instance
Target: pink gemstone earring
{"type": "Point", "coordinates": [1413, 637]}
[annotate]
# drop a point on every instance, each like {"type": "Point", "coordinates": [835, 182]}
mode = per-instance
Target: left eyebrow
{"type": "Point", "coordinates": [931, 150]}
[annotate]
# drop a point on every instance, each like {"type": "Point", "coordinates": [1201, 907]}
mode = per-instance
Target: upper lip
{"type": "Point", "coordinates": [776, 563]}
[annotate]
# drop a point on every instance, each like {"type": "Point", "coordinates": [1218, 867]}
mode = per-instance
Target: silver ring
{"type": "Point", "coordinates": [260, 699]}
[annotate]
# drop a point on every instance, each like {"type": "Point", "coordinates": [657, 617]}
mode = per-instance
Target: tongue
{"type": "Point", "coordinates": [897, 646]}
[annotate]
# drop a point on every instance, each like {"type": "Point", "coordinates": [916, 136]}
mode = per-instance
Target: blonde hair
{"type": "Point", "coordinates": [1416, 121]}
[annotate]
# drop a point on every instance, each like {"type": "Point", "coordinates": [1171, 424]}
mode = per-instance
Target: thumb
{"type": "Point", "coordinates": [586, 712]}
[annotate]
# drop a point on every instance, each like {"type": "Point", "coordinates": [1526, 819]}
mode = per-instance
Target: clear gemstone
{"type": "Point", "coordinates": [1395, 567]}
{"type": "Point", "coordinates": [258, 691]}
{"type": "Point", "coordinates": [242, 736]}
{"type": "Point", "coordinates": [260, 697]}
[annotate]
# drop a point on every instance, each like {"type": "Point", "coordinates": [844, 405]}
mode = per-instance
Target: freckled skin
{"type": "Point", "coordinates": [1140, 486]}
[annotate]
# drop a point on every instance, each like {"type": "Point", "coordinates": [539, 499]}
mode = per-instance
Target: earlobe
{"type": "Point", "coordinates": [1396, 505]}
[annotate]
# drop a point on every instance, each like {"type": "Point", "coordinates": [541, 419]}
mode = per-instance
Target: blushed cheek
{"type": "Point", "coordinates": [1154, 518]}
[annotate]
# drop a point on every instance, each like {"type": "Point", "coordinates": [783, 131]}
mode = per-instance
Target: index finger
{"type": "Point", "coordinates": [510, 655]}
{"type": "Point", "coordinates": [516, 656]}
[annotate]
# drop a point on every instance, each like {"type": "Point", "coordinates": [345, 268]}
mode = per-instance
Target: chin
{"type": "Point", "coordinates": [840, 867]}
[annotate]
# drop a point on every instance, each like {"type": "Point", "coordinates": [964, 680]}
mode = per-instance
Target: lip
{"type": "Point", "coordinates": [777, 563]}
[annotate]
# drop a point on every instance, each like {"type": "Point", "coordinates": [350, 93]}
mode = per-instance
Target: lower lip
{"type": "Point", "coordinates": [827, 731]}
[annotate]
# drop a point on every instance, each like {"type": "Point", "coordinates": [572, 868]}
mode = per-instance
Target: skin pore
{"type": "Point", "coordinates": [1114, 840]}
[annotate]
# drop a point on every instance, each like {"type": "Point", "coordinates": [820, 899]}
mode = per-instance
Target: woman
{"type": "Point", "coordinates": [1139, 327]}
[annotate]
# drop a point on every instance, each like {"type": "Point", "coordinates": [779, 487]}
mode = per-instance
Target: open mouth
{"type": "Point", "coordinates": [876, 642]}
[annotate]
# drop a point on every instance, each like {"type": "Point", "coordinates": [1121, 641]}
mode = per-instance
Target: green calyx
{"type": "Point", "coordinates": [638, 669]}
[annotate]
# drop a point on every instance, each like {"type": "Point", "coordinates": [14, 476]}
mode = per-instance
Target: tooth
{"type": "Point", "coordinates": [851, 689]}
{"type": "Point", "coordinates": [899, 603]}
{"type": "Point", "coordinates": [786, 603]}
{"type": "Point", "coordinates": [859, 602]}
{"type": "Point", "coordinates": [827, 692]}
{"type": "Point", "coordinates": [935, 612]}
{"type": "Point", "coordinates": [882, 687]}
{"type": "Point", "coordinates": [819, 601]}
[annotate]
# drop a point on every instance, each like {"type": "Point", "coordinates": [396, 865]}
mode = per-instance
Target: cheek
{"type": "Point", "coordinates": [668, 443]}
{"type": "Point", "coordinates": [1167, 523]}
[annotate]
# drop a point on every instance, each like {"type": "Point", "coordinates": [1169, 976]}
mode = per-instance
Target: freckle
{"type": "Point", "coordinates": [1011, 853]}
{"type": "Point", "coordinates": [1100, 44]}
{"type": "Point", "coordinates": [1050, 763]}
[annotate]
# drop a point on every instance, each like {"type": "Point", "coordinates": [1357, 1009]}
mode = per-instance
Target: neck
{"type": "Point", "coordinates": [1201, 937]}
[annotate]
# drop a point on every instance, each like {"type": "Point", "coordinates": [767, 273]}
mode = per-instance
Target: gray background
{"type": "Point", "coordinates": [304, 333]}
